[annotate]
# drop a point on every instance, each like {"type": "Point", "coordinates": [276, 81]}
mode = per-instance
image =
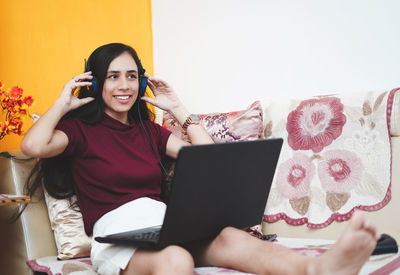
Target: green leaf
{"type": "Point", "coordinates": [6, 155]}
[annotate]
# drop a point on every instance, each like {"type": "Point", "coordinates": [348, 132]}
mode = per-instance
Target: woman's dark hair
{"type": "Point", "coordinates": [54, 173]}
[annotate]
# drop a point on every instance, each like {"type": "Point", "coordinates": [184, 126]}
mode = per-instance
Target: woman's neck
{"type": "Point", "coordinates": [121, 117]}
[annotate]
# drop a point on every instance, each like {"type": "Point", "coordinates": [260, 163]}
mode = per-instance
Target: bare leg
{"type": "Point", "coordinates": [170, 260]}
{"type": "Point", "coordinates": [237, 250]}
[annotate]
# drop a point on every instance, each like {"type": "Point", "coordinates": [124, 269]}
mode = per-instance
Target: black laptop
{"type": "Point", "coordinates": [214, 186]}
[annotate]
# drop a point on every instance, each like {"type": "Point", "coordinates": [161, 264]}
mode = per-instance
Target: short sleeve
{"type": "Point", "coordinates": [160, 136]}
{"type": "Point", "coordinates": [76, 141]}
{"type": "Point", "coordinates": [164, 136]}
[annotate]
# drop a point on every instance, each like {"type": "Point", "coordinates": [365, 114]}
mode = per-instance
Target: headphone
{"type": "Point", "coordinates": [142, 79]}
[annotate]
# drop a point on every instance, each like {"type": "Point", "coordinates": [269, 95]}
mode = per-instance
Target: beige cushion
{"type": "Point", "coordinates": [67, 224]}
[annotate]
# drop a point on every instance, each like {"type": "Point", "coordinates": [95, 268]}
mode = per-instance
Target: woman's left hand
{"type": "Point", "coordinates": [165, 97]}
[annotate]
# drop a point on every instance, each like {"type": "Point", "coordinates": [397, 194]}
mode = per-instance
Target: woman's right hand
{"type": "Point", "coordinates": [43, 140]}
{"type": "Point", "coordinates": [67, 98]}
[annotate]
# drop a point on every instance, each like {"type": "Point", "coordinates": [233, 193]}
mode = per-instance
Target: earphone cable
{"type": "Point", "coordinates": [164, 171]}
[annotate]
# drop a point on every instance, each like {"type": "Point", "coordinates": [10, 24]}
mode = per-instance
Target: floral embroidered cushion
{"type": "Point", "coordinates": [224, 127]}
{"type": "Point", "coordinates": [329, 164]}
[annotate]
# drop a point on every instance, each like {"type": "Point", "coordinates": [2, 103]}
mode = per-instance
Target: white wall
{"type": "Point", "coordinates": [221, 55]}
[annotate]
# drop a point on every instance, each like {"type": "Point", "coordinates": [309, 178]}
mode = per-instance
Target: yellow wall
{"type": "Point", "coordinates": [44, 43]}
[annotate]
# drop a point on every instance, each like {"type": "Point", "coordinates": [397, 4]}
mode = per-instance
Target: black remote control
{"type": "Point", "coordinates": [386, 244]}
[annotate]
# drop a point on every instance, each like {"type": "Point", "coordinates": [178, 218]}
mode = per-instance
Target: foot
{"type": "Point", "coordinates": [350, 252]}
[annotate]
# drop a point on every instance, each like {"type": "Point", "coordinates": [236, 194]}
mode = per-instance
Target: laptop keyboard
{"type": "Point", "coordinates": [147, 236]}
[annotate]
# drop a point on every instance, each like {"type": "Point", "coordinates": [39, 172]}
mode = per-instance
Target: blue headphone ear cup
{"type": "Point", "coordinates": [94, 85]}
{"type": "Point", "coordinates": [142, 85]}
{"type": "Point", "coordinates": [94, 81]}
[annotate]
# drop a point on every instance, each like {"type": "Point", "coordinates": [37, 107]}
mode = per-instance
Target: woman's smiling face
{"type": "Point", "coordinates": [121, 86]}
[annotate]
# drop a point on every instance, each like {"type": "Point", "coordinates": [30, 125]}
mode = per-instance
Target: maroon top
{"type": "Point", "coordinates": [112, 163]}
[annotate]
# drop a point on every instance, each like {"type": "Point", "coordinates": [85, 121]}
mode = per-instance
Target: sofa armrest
{"type": "Point", "coordinates": [395, 116]}
{"type": "Point", "coordinates": [31, 235]}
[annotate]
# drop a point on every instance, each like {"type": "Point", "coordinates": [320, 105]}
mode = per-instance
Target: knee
{"type": "Point", "coordinates": [229, 236]}
{"type": "Point", "coordinates": [177, 259]}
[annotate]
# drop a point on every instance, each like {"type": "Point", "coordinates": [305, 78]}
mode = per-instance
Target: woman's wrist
{"type": "Point", "coordinates": [61, 107]}
{"type": "Point", "coordinates": [180, 114]}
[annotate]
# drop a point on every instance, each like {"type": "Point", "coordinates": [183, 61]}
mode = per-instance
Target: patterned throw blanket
{"type": "Point", "coordinates": [336, 157]}
{"type": "Point", "coordinates": [377, 265]}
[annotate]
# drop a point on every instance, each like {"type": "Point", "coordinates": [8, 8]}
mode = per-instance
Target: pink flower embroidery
{"type": "Point", "coordinates": [315, 124]}
{"type": "Point", "coordinates": [294, 176]}
{"type": "Point", "coordinates": [340, 171]}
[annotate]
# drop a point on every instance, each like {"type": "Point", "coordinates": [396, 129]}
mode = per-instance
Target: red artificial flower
{"type": "Point", "coordinates": [14, 121]}
{"type": "Point", "coordinates": [4, 129]}
{"type": "Point", "coordinates": [17, 129]}
{"type": "Point", "coordinates": [28, 101]}
{"type": "Point", "coordinates": [9, 104]}
{"type": "Point", "coordinates": [19, 102]}
{"type": "Point", "coordinates": [16, 110]}
{"type": "Point", "coordinates": [16, 92]}
{"type": "Point", "coordinates": [4, 100]}
{"type": "Point", "coordinates": [22, 112]}
{"type": "Point", "coordinates": [20, 131]}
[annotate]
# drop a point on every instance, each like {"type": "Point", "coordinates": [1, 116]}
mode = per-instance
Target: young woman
{"type": "Point", "coordinates": [94, 146]}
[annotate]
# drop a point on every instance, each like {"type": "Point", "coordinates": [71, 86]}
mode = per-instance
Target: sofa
{"type": "Point", "coordinates": [31, 236]}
